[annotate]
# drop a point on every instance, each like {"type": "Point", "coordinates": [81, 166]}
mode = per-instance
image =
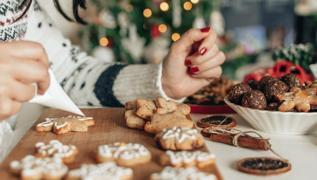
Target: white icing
{"type": "Point", "coordinates": [170, 173]}
{"type": "Point", "coordinates": [185, 157]}
{"type": "Point", "coordinates": [51, 121]}
{"type": "Point", "coordinates": [48, 122]}
{"type": "Point", "coordinates": [101, 171]}
{"type": "Point", "coordinates": [33, 166]}
{"type": "Point", "coordinates": [128, 151]}
{"type": "Point", "coordinates": [59, 126]}
{"type": "Point", "coordinates": [55, 149]}
{"type": "Point", "coordinates": [180, 134]}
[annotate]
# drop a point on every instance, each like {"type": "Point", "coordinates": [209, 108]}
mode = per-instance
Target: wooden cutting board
{"type": "Point", "coordinates": [110, 127]}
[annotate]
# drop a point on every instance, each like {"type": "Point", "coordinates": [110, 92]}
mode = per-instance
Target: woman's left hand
{"type": "Point", "coordinates": [183, 75]}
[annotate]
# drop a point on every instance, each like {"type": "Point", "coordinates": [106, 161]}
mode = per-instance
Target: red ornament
{"type": "Point", "coordinates": [155, 31]}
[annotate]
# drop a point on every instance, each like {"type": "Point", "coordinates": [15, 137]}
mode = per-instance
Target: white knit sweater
{"type": "Point", "coordinates": [88, 81]}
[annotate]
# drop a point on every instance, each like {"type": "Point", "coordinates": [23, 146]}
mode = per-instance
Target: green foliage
{"type": "Point", "coordinates": [301, 54]}
{"type": "Point", "coordinates": [133, 9]}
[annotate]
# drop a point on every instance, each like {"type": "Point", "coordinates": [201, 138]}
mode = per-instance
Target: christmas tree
{"type": "Point", "coordinates": [138, 31]}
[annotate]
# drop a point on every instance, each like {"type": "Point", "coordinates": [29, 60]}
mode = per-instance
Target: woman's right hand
{"type": "Point", "coordinates": [22, 64]}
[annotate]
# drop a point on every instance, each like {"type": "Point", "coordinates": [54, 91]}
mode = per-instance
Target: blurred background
{"type": "Point", "coordinates": [255, 34]}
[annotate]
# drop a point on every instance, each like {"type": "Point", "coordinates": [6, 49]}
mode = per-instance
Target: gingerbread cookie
{"type": "Point", "coordinates": [66, 124]}
{"type": "Point", "coordinates": [164, 106]}
{"type": "Point", "coordinates": [100, 171]}
{"type": "Point", "coordinates": [145, 108]}
{"type": "Point", "coordinates": [187, 159]}
{"type": "Point", "coordinates": [182, 174]}
{"type": "Point", "coordinates": [183, 108]}
{"type": "Point", "coordinates": [162, 121]}
{"type": "Point", "coordinates": [133, 121]}
{"type": "Point", "coordinates": [57, 150]}
{"type": "Point", "coordinates": [31, 167]}
{"type": "Point", "coordinates": [263, 166]}
{"type": "Point", "coordinates": [124, 154]}
{"type": "Point", "coordinates": [178, 138]}
{"type": "Point", "coordinates": [298, 99]}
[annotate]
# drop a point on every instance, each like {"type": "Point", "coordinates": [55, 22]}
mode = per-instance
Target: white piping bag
{"type": "Point", "coordinates": [55, 97]}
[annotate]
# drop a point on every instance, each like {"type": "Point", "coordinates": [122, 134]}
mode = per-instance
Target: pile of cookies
{"type": "Point", "coordinates": [174, 131]}
{"type": "Point", "coordinates": [155, 115]}
{"type": "Point", "coordinates": [213, 94]}
{"type": "Point", "coordinates": [286, 94]}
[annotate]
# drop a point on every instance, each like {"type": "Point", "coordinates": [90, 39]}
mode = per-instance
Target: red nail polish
{"type": "Point", "coordinates": [202, 51]}
{"type": "Point", "coordinates": [188, 62]}
{"type": "Point", "coordinates": [205, 29]}
{"type": "Point", "coordinates": [193, 70]}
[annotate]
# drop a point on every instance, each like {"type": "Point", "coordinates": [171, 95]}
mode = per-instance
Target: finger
{"type": "Point", "coordinates": [211, 73]}
{"type": "Point", "coordinates": [188, 39]}
{"type": "Point", "coordinates": [198, 59]}
{"type": "Point", "coordinates": [8, 107]}
{"type": "Point", "coordinates": [31, 72]}
{"type": "Point", "coordinates": [21, 92]}
{"type": "Point", "coordinates": [208, 42]}
{"type": "Point", "coordinates": [212, 62]}
{"type": "Point", "coordinates": [30, 50]}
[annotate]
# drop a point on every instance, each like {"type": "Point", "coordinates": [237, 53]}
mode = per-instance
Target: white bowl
{"type": "Point", "coordinates": [275, 122]}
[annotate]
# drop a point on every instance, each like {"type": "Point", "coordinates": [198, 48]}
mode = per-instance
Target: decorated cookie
{"type": "Point", "coordinates": [178, 138]}
{"type": "Point", "coordinates": [124, 154]}
{"type": "Point", "coordinates": [101, 171]}
{"type": "Point", "coordinates": [182, 174]}
{"type": "Point", "coordinates": [133, 121]}
{"type": "Point", "coordinates": [57, 150]}
{"type": "Point", "coordinates": [187, 159]}
{"type": "Point", "coordinates": [66, 124]}
{"type": "Point", "coordinates": [31, 167]}
{"type": "Point", "coordinates": [159, 122]}
{"type": "Point", "coordinates": [263, 166]}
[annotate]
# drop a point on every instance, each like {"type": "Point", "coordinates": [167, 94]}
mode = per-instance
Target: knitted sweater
{"type": "Point", "coordinates": [88, 81]}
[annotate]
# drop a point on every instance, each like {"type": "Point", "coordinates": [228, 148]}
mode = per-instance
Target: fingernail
{"type": "Point", "coordinates": [202, 51]}
{"type": "Point", "coordinates": [205, 29]}
{"type": "Point", "coordinates": [193, 70]}
{"type": "Point", "coordinates": [188, 62]}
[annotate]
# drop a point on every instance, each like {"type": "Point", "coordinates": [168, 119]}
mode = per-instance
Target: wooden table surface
{"type": "Point", "coordinates": [110, 127]}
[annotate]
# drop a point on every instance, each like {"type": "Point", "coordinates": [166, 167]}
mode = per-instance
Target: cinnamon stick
{"type": "Point", "coordinates": [243, 140]}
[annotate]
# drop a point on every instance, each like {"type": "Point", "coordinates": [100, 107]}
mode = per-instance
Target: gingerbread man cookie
{"type": "Point", "coordinates": [145, 108]}
{"type": "Point", "coordinates": [133, 121]}
{"type": "Point", "coordinates": [178, 138]}
{"type": "Point", "coordinates": [57, 150]}
{"type": "Point", "coordinates": [31, 167]}
{"type": "Point", "coordinates": [66, 124]}
{"type": "Point", "coordinates": [101, 171]}
{"type": "Point", "coordinates": [182, 174]}
{"type": "Point", "coordinates": [164, 106]}
{"type": "Point", "coordinates": [124, 154]}
{"type": "Point", "coordinates": [298, 99]}
{"type": "Point", "coordinates": [187, 159]}
{"type": "Point", "coordinates": [162, 121]}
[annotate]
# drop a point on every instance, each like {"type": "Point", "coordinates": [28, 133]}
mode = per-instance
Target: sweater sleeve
{"type": "Point", "coordinates": [87, 80]}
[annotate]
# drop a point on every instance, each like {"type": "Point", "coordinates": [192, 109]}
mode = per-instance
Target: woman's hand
{"type": "Point", "coordinates": [22, 63]}
{"type": "Point", "coordinates": [185, 72]}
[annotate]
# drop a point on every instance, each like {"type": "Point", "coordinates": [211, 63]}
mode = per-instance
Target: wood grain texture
{"type": "Point", "coordinates": [110, 127]}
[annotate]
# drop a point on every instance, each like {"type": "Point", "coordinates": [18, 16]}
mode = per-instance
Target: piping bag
{"type": "Point", "coordinates": [55, 97]}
